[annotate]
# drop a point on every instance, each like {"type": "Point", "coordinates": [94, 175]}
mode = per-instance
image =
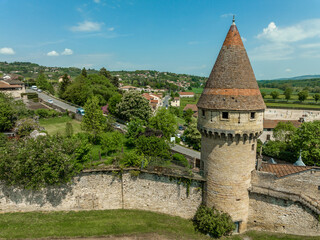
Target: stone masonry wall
{"type": "Point", "coordinates": [289, 204]}
{"type": "Point", "coordinates": [107, 190]}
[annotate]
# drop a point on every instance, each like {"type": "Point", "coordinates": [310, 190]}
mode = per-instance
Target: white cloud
{"type": "Point", "coordinates": [52, 54]}
{"type": "Point", "coordinates": [227, 15]}
{"type": "Point", "coordinates": [301, 31]}
{"type": "Point", "coordinates": [96, 1]}
{"type": "Point", "coordinates": [310, 45]}
{"type": "Point", "coordinates": [7, 51]}
{"type": "Point", "coordinates": [87, 26]}
{"type": "Point", "coordinates": [288, 70]}
{"type": "Point", "coordinates": [111, 29]}
{"type": "Point", "coordinates": [67, 51]}
{"type": "Point", "coordinates": [272, 51]}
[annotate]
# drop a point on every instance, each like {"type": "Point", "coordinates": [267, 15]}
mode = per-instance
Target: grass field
{"type": "Point", "coordinates": [293, 105]}
{"type": "Point", "coordinates": [197, 90]}
{"type": "Point", "coordinates": [110, 222]}
{"type": "Point", "coordinates": [58, 125]}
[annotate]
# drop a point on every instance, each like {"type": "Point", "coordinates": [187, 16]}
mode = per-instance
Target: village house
{"type": "Point", "coordinates": [186, 94]}
{"type": "Point", "coordinates": [154, 100]}
{"type": "Point", "coordinates": [193, 107]}
{"type": "Point", "coordinates": [128, 88]}
{"type": "Point", "coordinates": [175, 102]}
{"type": "Point", "coordinates": [269, 125]}
{"type": "Point", "coordinates": [12, 87]}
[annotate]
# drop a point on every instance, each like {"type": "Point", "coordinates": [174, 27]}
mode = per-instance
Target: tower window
{"type": "Point", "coordinates": [203, 113]}
{"type": "Point", "coordinates": [225, 115]}
{"type": "Point", "coordinates": [252, 115]}
{"type": "Point", "coordinates": [252, 147]}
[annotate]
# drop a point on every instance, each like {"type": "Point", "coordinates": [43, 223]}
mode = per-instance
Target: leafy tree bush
{"type": "Point", "coordinates": [66, 81]}
{"type": "Point", "coordinates": [192, 136]}
{"type": "Point", "coordinates": [36, 163]}
{"type": "Point", "coordinates": [134, 129]}
{"type": "Point", "coordinates": [287, 93]}
{"type": "Point", "coordinates": [43, 83]}
{"type": "Point", "coordinates": [213, 222]}
{"type": "Point", "coordinates": [112, 103]}
{"type": "Point", "coordinates": [25, 126]}
{"type": "Point", "coordinates": [263, 94]}
{"type": "Point", "coordinates": [69, 129]}
{"type": "Point", "coordinates": [274, 94]}
{"type": "Point", "coordinates": [153, 146]}
{"type": "Point", "coordinates": [316, 97]}
{"type": "Point", "coordinates": [307, 138]}
{"type": "Point", "coordinates": [164, 121]}
{"type": "Point", "coordinates": [93, 121]}
{"type": "Point", "coordinates": [47, 113]}
{"type": "Point", "coordinates": [303, 95]}
{"type": "Point", "coordinates": [111, 142]}
{"type": "Point", "coordinates": [187, 115]}
{"type": "Point", "coordinates": [132, 159]}
{"type": "Point", "coordinates": [180, 159]}
{"type": "Point", "coordinates": [284, 131]}
{"type": "Point", "coordinates": [133, 106]}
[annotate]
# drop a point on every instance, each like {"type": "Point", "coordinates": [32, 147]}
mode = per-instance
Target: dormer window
{"type": "Point", "coordinates": [225, 115]}
{"type": "Point", "coordinates": [252, 115]}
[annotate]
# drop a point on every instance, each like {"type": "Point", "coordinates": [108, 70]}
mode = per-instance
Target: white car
{"type": "Point", "coordinates": [50, 101]}
{"type": "Point", "coordinates": [39, 90]}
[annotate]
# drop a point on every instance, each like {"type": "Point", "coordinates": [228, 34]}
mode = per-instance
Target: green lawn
{"type": "Point", "coordinates": [197, 90]}
{"type": "Point", "coordinates": [111, 222]}
{"type": "Point", "coordinates": [58, 125]}
{"type": "Point", "coordinates": [294, 105]}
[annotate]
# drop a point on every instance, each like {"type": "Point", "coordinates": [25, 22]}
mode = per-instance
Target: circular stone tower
{"type": "Point", "coordinates": [230, 120]}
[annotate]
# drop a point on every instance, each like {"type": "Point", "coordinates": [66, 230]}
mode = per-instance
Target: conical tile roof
{"type": "Point", "coordinates": [232, 84]}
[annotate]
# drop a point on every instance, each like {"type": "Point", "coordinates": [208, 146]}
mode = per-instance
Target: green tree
{"type": "Point", "coordinates": [187, 115]}
{"type": "Point", "coordinates": [79, 91]}
{"type": "Point", "coordinates": [263, 94]}
{"type": "Point", "coordinates": [213, 222]}
{"type": "Point", "coordinates": [112, 103]}
{"type": "Point", "coordinates": [303, 95]}
{"type": "Point", "coordinates": [284, 131]}
{"type": "Point", "coordinates": [93, 121]}
{"type": "Point", "coordinates": [153, 147]}
{"type": "Point", "coordinates": [287, 93]}
{"type": "Point", "coordinates": [69, 129]}
{"type": "Point", "coordinates": [133, 106]}
{"type": "Point", "coordinates": [164, 121]}
{"type": "Point", "coordinates": [84, 72]}
{"type": "Point", "coordinates": [316, 97]}
{"type": "Point", "coordinates": [307, 138]}
{"type": "Point", "coordinates": [134, 129]}
{"type": "Point", "coordinates": [43, 83]}
{"type": "Point", "coordinates": [274, 94]}
{"type": "Point", "coordinates": [7, 115]}
{"type": "Point", "coordinates": [111, 142]}
{"type": "Point", "coordinates": [64, 84]}
{"type": "Point", "coordinates": [25, 126]}
{"type": "Point", "coordinates": [192, 136]}
{"type": "Point", "coordinates": [46, 160]}
{"type": "Point", "coordinates": [105, 73]}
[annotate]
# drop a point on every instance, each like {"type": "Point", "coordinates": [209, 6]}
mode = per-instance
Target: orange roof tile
{"type": "Point", "coordinates": [281, 170]}
{"type": "Point", "coordinates": [267, 123]}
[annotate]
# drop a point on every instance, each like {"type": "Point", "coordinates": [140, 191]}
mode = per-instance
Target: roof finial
{"type": "Point", "coordinates": [233, 21]}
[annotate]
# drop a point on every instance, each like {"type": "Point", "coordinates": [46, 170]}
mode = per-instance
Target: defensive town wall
{"type": "Point", "coordinates": [99, 190]}
{"type": "Point", "coordinates": [289, 204]}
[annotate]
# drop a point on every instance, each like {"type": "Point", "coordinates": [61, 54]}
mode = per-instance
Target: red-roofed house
{"type": "Point", "coordinates": [175, 102]}
{"type": "Point", "coordinates": [14, 89]}
{"type": "Point", "coordinates": [186, 94]}
{"type": "Point", "coordinates": [154, 100]}
{"type": "Point", "coordinates": [193, 107]}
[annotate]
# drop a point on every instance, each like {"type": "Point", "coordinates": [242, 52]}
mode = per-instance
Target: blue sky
{"type": "Point", "coordinates": [282, 38]}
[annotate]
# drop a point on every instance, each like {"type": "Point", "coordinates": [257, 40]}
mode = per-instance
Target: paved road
{"type": "Point", "coordinates": [166, 101]}
{"type": "Point", "coordinates": [56, 102]}
{"type": "Point", "coordinates": [70, 108]}
{"type": "Point", "coordinates": [186, 151]}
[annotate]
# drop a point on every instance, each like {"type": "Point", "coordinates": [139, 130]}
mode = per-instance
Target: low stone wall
{"type": "Point", "coordinates": [109, 190]}
{"type": "Point", "coordinates": [289, 204]}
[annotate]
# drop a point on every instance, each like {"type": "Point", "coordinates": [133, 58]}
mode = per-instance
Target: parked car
{"type": "Point", "coordinates": [117, 125]}
{"type": "Point", "coordinates": [80, 111]}
{"type": "Point", "coordinates": [34, 88]}
{"type": "Point", "coordinates": [50, 101]}
{"type": "Point", "coordinates": [39, 90]}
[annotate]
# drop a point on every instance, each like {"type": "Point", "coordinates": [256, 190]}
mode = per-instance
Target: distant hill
{"type": "Point", "coordinates": [300, 77]}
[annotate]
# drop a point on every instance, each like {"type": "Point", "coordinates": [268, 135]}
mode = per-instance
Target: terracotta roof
{"type": "Point", "coordinates": [154, 101]}
{"type": "Point", "coordinates": [232, 84]}
{"type": "Point", "coordinates": [267, 123]}
{"type": "Point", "coordinates": [186, 93]}
{"type": "Point", "coordinates": [193, 107]}
{"type": "Point", "coordinates": [281, 170]}
{"type": "Point", "coordinates": [127, 87]}
{"type": "Point", "coordinates": [4, 85]}
{"type": "Point", "coordinates": [176, 98]}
